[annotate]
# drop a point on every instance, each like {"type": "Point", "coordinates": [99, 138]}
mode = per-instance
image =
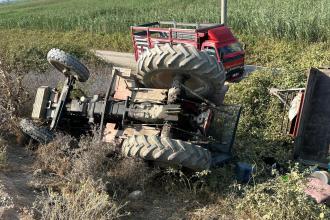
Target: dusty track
{"type": "Point", "coordinates": [127, 60]}
{"type": "Point", "coordinates": [17, 196]}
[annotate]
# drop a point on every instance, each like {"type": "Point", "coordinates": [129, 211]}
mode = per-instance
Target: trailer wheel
{"type": "Point", "coordinates": [158, 67]}
{"type": "Point", "coordinates": [40, 134]}
{"type": "Point", "coordinates": [167, 151]}
{"type": "Point", "coordinates": [64, 61]}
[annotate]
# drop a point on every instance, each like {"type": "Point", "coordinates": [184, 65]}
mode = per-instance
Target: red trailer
{"type": "Point", "coordinates": [216, 39]}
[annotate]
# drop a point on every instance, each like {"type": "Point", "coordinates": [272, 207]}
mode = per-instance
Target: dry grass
{"type": "Point", "coordinates": [91, 159]}
{"type": "Point", "coordinates": [55, 157]}
{"type": "Point", "coordinates": [81, 193]}
{"type": "Point", "coordinates": [126, 175]}
{"type": "Point", "coordinates": [3, 154]}
{"type": "Point", "coordinates": [87, 200]}
{"type": "Point", "coordinates": [12, 97]}
{"type": "Point", "coordinates": [89, 163]}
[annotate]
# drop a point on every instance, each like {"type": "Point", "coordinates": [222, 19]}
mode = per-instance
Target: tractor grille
{"type": "Point", "coordinates": [233, 58]}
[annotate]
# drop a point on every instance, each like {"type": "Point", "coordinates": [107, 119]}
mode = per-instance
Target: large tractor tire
{"type": "Point", "coordinates": [68, 64]}
{"type": "Point", "coordinates": [39, 134]}
{"type": "Point", "coordinates": [167, 151]}
{"type": "Point", "coordinates": [158, 67]}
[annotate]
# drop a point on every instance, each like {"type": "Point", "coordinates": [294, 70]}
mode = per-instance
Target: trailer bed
{"type": "Point", "coordinates": [312, 143]}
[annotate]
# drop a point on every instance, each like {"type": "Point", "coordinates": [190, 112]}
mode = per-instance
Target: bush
{"type": "Point", "coordinates": [56, 156]}
{"type": "Point", "coordinates": [3, 153]}
{"type": "Point", "coordinates": [84, 201]}
{"type": "Point", "coordinates": [12, 97]}
{"type": "Point", "coordinates": [281, 197]}
{"type": "Point", "coordinates": [91, 158]}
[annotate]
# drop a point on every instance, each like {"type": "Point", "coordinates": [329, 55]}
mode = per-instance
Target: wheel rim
{"type": "Point", "coordinates": [164, 79]}
{"type": "Point", "coordinates": [60, 67]}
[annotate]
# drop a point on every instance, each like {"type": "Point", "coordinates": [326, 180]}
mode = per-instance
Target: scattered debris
{"type": "Point", "coordinates": [318, 190]}
{"type": "Point", "coordinates": [324, 176]}
{"type": "Point", "coordinates": [308, 120]}
{"type": "Point", "coordinates": [136, 195]}
{"type": "Point", "coordinates": [244, 172]}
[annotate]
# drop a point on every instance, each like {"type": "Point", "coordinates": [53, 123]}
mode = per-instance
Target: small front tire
{"type": "Point", "coordinates": [40, 134]}
{"type": "Point", "coordinates": [68, 64]}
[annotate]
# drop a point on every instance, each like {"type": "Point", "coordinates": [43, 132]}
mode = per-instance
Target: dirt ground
{"type": "Point", "coordinates": [17, 196]}
{"type": "Point", "coordinates": [18, 192]}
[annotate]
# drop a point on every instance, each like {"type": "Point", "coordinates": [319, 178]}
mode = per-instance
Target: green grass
{"type": "Point", "coordinates": [289, 34]}
{"type": "Point", "coordinates": [291, 19]}
{"type": "Point", "coordinates": [275, 34]}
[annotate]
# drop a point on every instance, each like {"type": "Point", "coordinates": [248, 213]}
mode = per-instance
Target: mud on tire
{"type": "Point", "coordinates": [158, 66]}
{"type": "Point", "coordinates": [62, 60]}
{"type": "Point", "coordinates": [167, 151]}
{"type": "Point", "coordinates": [40, 134]}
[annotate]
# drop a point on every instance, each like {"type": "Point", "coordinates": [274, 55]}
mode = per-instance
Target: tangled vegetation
{"type": "Point", "coordinates": [29, 29]}
{"type": "Point", "coordinates": [86, 201]}
{"type": "Point", "coordinates": [3, 154]}
{"type": "Point", "coordinates": [294, 19]}
{"type": "Point", "coordinates": [281, 197]}
{"type": "Point", "coordinates": [287, 37]}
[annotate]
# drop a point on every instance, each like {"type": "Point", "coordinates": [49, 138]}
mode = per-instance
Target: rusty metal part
{"type": "Point", "coordinates": [198, 96]}
{"type": "Point", "coordinates": [204, 120]}
{"type": "Point", "coordinates": [111, 133]}
{"type": "Point", "coordinates": [166, 130]}
{"type": "Point", "coordinates": [149, 95]}
{"type": "Point", "coordinates": [148, 112]}
{"type": "Point", "coordinates": [175, 91]}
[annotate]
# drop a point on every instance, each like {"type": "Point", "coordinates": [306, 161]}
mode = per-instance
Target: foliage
{"type": "Point", "coordinates": [280, 197]}
{"type": "Point", "coordinates": [29, 29]}
{"type": "Point", "coordinates": [3, 153]}
{"type": "Point", "coordinates": [276, 36]}
{"type": "Point", "coordinates": [294, 19]}
{"type": "Point", "coordinates": [84, 201]}
{"type": "Point", "coordinates": [12, 97]}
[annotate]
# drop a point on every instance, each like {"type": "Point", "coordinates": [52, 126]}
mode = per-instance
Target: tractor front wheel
{"type": "Point", "coordinates": [68, 64]}
{"type": "Point", "coordinates": [37, 133]}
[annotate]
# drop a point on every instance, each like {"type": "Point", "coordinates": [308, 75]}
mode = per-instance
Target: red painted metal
{"type": "Point", "coordinates": [219, 36]}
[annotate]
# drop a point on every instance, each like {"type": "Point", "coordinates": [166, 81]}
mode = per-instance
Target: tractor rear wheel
{"type": "Point", "coordinates": [158, 67]}
{"type": "Point", "coordinates": [167, 151]}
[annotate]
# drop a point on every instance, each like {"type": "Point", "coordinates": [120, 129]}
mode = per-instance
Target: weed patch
{"type": "Point", "coordinates": [280, 197]}
{"type": "Point", "coordinates": [3, 154]}
{"type": "Point", "coordinates": [86, 200]}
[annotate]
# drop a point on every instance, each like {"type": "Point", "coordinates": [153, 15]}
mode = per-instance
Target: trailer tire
{"type": "Point", "coordinates": [62, 60]}
{"type": "Point", "coordinates": [158, 66]}
{"type": "Point", "coordinates": [40, 134]}
{"type": "Point", "coordinates": [167, 151]}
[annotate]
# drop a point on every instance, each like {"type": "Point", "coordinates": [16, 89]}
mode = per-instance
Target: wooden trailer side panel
{"type": "Point", "coordinates": [312, 143]}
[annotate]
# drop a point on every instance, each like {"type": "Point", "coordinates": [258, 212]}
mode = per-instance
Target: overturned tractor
{"type": "Point", "coordinates": [176, 125]}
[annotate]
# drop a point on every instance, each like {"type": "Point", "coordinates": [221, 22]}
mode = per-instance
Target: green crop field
{"type": "Point", "coordinates": [30, 28]}
{"type": "Point", "coordinates": [292, 35]}
{"type": "Point", "coordinates": [292, 19]}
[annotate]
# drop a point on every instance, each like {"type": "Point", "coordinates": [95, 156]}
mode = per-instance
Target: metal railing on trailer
{"type": "Point", "coordinates": [145, 36]}
{"type": "Point", "coordinates": [292, 104]}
